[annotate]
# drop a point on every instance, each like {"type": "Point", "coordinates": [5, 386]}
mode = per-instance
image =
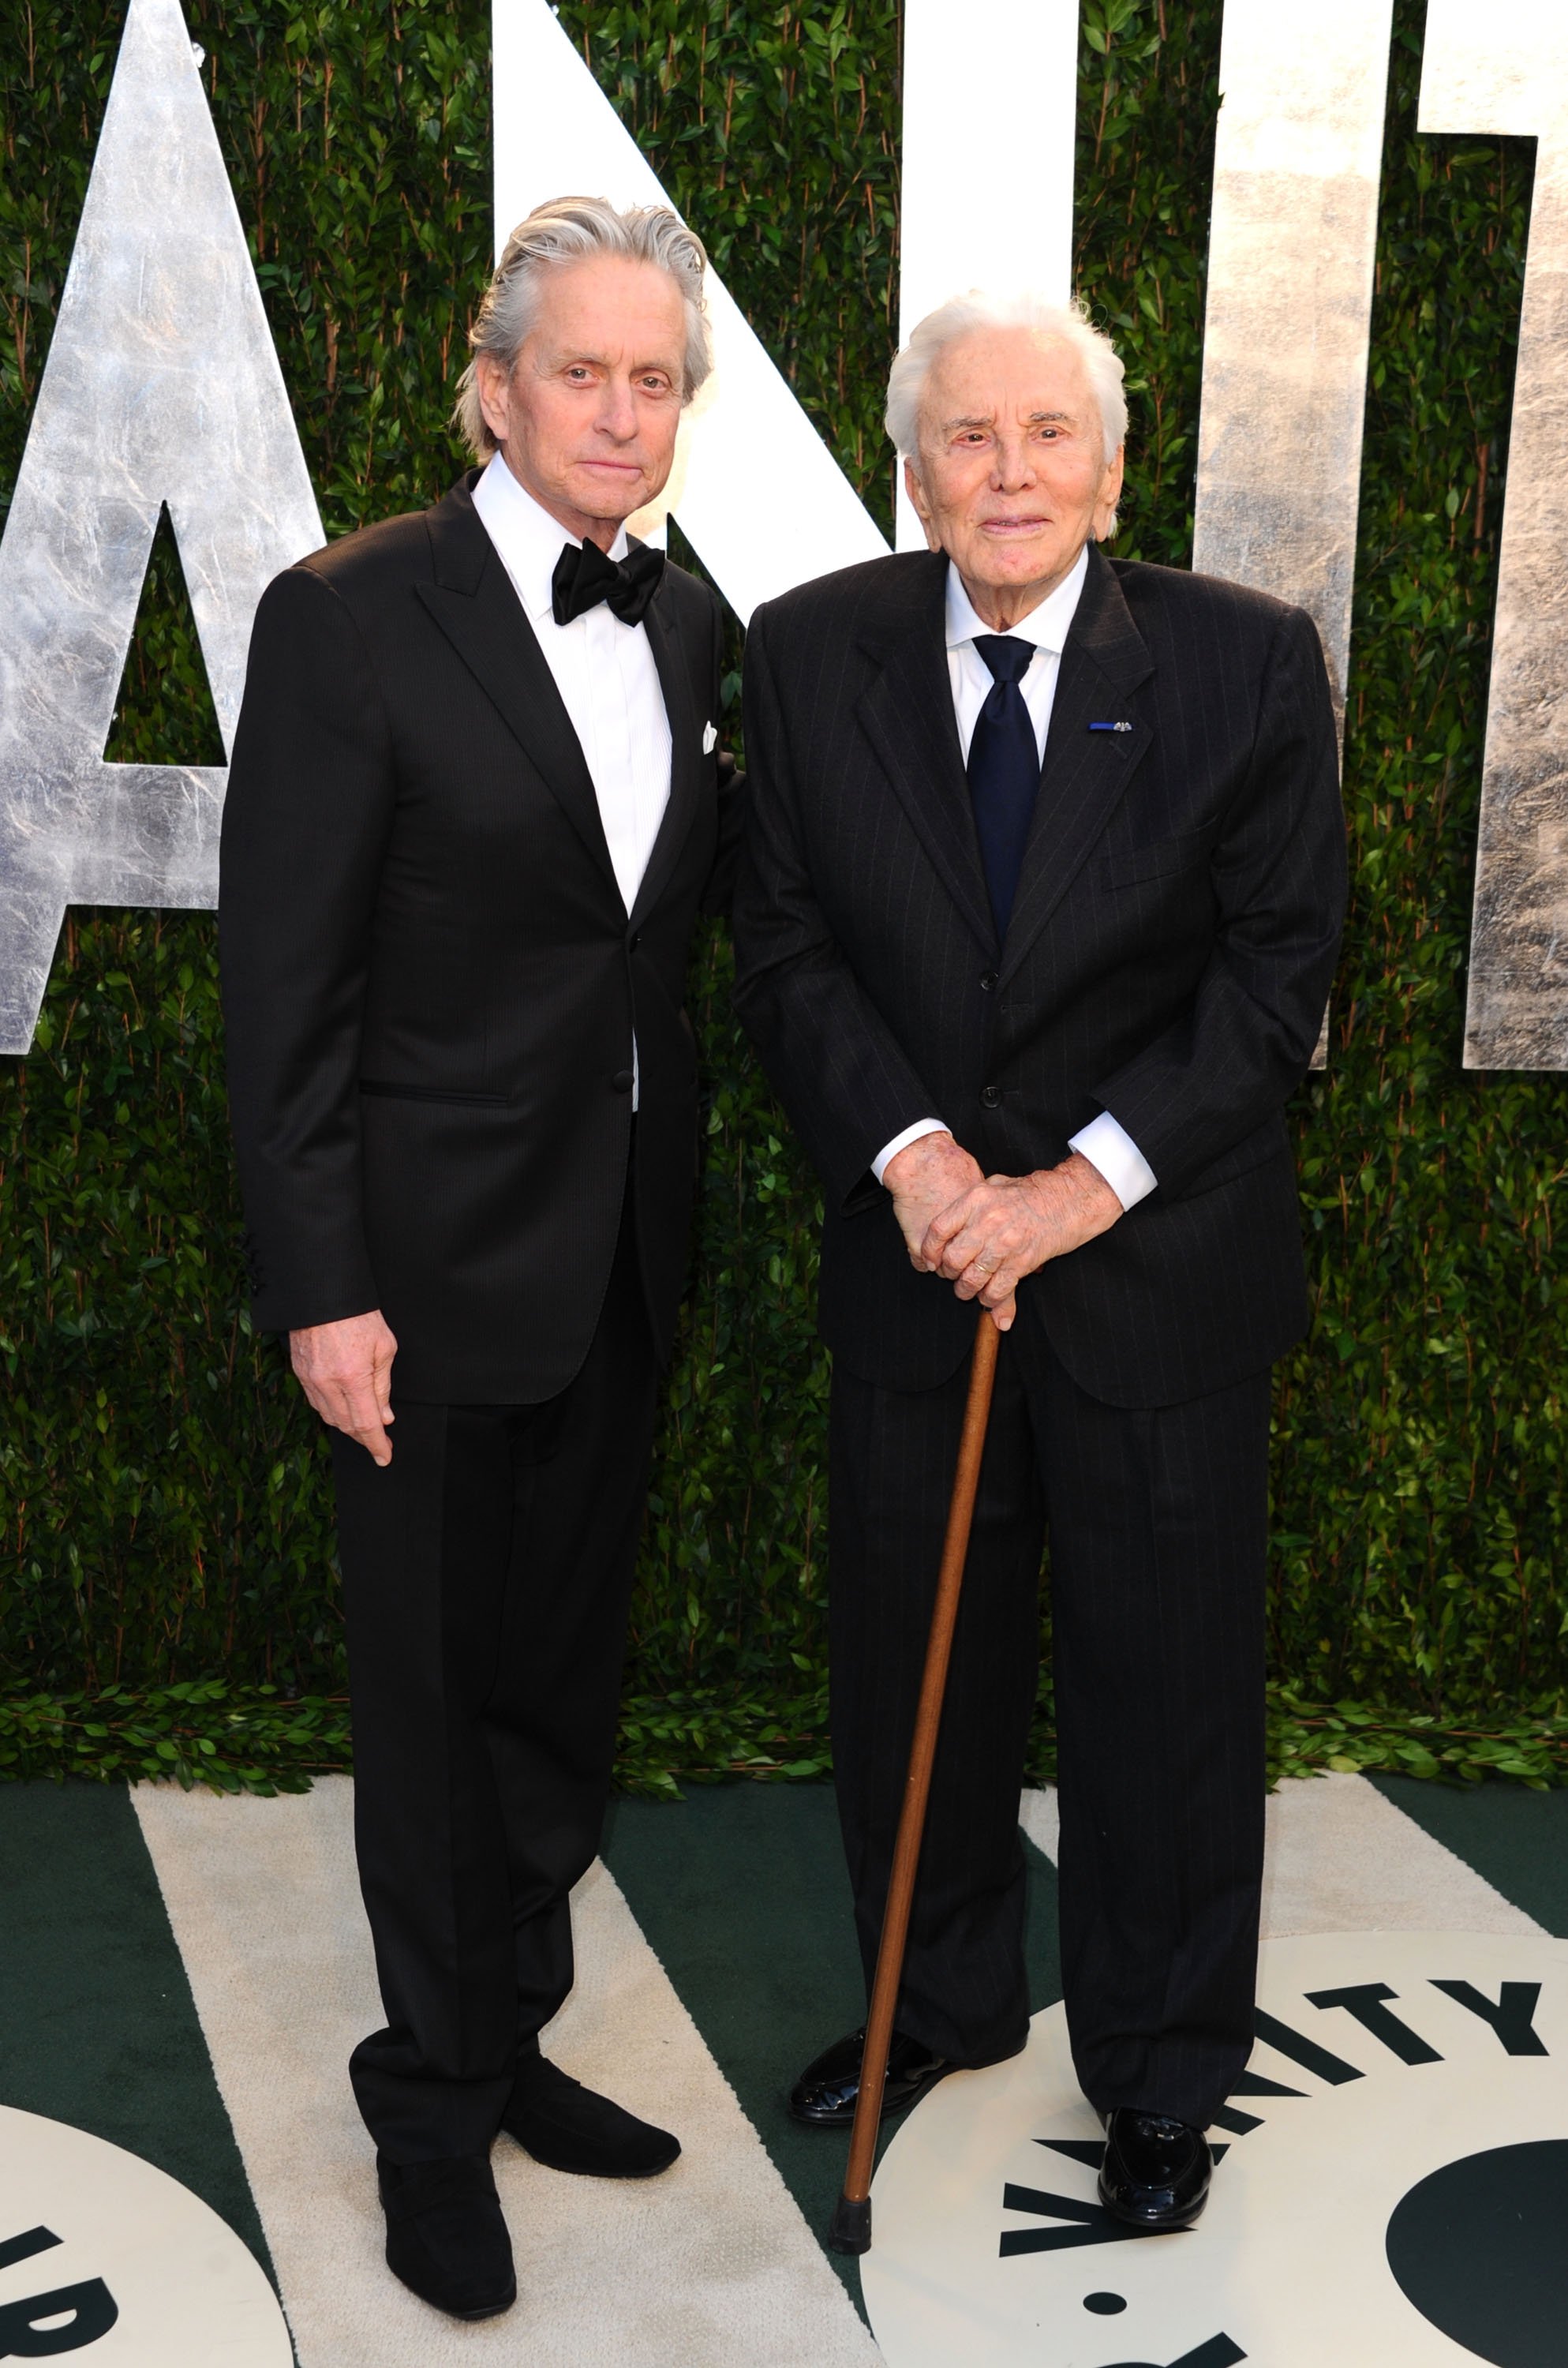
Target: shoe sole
{"type": "Point", "coordinates": [486, 2310]}
{"type": "Point", "coordinates": [491, 2309]}
{"type": "Point", "coordinates": [846, 2119]}
{"type": "Point", "coordinates": [1162, 2227]}
{"type": "Point", "coordinates": [576, 2170]}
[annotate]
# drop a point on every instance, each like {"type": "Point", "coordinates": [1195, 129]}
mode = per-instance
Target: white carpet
{"type": "Point", "coordinates": [711, 2266]}
{"type": "Point", "coordinates": [1343, 1859]}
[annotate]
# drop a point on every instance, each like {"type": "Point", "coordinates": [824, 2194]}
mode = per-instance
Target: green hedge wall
{"type": "Point", "coordinates": [163, 1509]}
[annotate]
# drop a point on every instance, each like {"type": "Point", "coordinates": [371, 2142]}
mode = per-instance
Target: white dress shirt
{"type": "Point", "coordinates": [605, 673]}
{"type": "Point", "coordinates": [1104, 1142]}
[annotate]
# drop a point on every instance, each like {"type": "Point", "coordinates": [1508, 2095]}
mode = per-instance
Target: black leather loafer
{"type": "Point", "coordinates": [446, 2238]}
{"type": "Point", "coordinates": [1156, 2173]}
{"type": "Point", "coordinates": [568, 2127]}
{"type": "Point", "coordinates": [823, 2097]}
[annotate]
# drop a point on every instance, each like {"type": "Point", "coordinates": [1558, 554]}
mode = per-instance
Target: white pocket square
{"type": "Point", "coordinates": [710, 739]}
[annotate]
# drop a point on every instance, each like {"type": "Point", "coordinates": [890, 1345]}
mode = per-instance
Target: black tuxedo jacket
{"type": "Point", "coordinates": [1169, 954]}
{"type": "Point", "coordinates": [430, 980]}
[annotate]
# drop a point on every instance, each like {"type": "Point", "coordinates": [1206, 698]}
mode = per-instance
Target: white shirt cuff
{"type": "Point", "coordinates": [1106, 1145]}
{"type": "Point", "coordinates": [902, 1142]}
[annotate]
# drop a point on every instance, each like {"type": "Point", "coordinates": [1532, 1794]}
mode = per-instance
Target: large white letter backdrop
{"type": "Point", "coordinates": [1005, 136]}
{"type": "Point", "coordinates": [133, 412]}
{"type": "Point", "coordinates": [162, 385]}
{"type": "Point", "coordinates": [1508, 72]}
{"type": "Point", "coordinates": [758, 493]}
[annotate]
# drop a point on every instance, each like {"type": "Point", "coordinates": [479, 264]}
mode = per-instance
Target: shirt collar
{"type": "Point", "coordinates": [527, 538]}
{"type": "Point", "coordinates": [1045, 626]}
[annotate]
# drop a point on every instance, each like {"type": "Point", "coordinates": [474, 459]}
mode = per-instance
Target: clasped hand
{"type": "Point", "coordinates": [984, 1233]}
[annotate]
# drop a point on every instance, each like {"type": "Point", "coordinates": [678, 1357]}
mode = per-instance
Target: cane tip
{"type": "Point", "coordinates": [851, 2230]}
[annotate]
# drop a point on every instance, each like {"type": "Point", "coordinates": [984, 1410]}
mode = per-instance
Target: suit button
{"type": "Point", "coordinates": [987, 981]}
{"type": "Point", "coordinates": [990, 1097]}
{"type": "Point", "coordinates": [622, 1081]}
{"type": "Point", "coordinates": [635, 939]}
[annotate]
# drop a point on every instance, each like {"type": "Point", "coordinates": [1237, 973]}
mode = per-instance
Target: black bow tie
{"type": "Point", "coordinates": [584, 577]}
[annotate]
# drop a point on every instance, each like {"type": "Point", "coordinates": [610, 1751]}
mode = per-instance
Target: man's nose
{"type": "Point", "coordinates": [617, 412]}
{"type": "Point", "coordinates": [1012, 469]}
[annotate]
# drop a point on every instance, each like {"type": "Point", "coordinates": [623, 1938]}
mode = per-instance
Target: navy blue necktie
{"type": "Point", "coordinates": [1004, 771]}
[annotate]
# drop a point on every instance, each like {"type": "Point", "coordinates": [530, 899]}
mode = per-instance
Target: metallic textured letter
{"type": "Point", "coordinates": [1289, 322]}
{"type": "Point", "coordinates": [1508, 73]}
{"type": "Point", "coordinates": [1290, 257]}
{"type": "Point", "coordinates": [990, 114]}
{"type": "Point", "coordinates": [754, 487]}
{"type": "Point", "coordinates": [162, 385]}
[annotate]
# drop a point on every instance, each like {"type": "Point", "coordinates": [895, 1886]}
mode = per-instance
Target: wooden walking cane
{"type": "Point", "coordinates": [851, 2229]}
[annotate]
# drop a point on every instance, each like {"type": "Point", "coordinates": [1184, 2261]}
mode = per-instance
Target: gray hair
{"type": "Point", "coordinates": [978, 309]}
{"type": "Point", "coordinates": [568, 230]}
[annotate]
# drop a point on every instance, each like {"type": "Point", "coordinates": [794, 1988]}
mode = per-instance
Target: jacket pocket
{"type": "Point", "coordinates": [387, 1091]}
{"type": "Point", "coordinates": [1156, 861]}
{"type": "Point", "coordinates": [1268, 1141]}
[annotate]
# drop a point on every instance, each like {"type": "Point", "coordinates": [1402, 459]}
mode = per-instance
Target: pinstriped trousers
{"type": "Point", "coordinates": [1157, 1523]}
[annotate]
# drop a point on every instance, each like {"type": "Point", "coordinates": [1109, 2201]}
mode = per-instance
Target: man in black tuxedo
{"type": "Point", "coordinates": [473, 812]}
{"type": "Point", "coordinates": [1036, 924]}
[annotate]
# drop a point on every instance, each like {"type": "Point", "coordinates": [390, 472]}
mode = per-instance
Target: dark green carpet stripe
{"type": "Point", "coordinates": [1515, 1840]}
{"type": "Point", "coordinates": [741, 1893]}
{"type": "Point", "coordinates": [97, 2026]}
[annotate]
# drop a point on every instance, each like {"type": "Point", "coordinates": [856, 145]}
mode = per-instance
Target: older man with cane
{"type": "Point", "coordinates": [1036, 922]}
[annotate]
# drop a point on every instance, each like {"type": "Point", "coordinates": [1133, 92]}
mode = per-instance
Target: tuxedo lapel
{"type": "Point", "coordinates": [473, 602]}
{"type": "Point", "coordinates": [907, 713]}
{"type": "Point", "coordinates": [673, 661]}
{"type": "Point", "coordinates": [1085, 773]}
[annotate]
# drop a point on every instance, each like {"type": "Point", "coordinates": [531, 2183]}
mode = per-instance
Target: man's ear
{"type": "Point", "coordinates": [916, 492]}
{"type": "Point", "coordinates": [492, 380]}
{"type": "Point", "coordinates": [1109, 493]}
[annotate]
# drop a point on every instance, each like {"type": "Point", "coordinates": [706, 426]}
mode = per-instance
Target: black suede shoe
{"type": "Point", "coordinates": [446, 2238]}
{"type": "Point", "coordinates": [823, 2097]}
{"type": "Point", "coordinates": [1156, 2173]}
{"type": "Point", "coordinates": [568, 2127]}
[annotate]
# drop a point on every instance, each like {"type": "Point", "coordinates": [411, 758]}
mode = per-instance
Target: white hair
{"type": "Point", "coordinates": [1068, 325]}
{"type": "Point", "coordinates": [568, 230]}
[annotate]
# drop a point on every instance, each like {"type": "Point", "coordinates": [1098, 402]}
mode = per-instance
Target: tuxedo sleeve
{"type": "Point", "coordinates": [1234, 1054]}
{"type": "Point", "coordinates": [834, 1063]}
{"type": "Point", "coordinates": [305, 829]}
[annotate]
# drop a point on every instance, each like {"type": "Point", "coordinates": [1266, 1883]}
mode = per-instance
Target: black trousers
{"type": "Point", "coordinates": [486, 1573]}
{"type": "Point", "coordinates": [1157, 1526]}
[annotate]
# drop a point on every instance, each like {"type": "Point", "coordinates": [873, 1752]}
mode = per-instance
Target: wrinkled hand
{"type": "Point", "coordinates": [345, 1370]}
{"type": "Point", "coordinates": [926, 1178]}
{"type": "Point", "coordinates": [1005, 1226]}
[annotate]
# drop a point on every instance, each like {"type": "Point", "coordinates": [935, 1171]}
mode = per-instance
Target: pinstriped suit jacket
{"type": "Point", "coordinates": [1170, 951]}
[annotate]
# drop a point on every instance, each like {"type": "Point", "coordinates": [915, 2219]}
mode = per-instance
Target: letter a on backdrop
{"type": "Point", "coordinates": [756, 491]}
{"type": "Point", "coordinates": [162, 385]}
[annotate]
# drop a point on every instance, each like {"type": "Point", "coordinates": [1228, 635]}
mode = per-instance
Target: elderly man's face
{"type": "Point", "coordinates": [1013, 476]}
{"type": "Point", "coordinates": [587, 418]}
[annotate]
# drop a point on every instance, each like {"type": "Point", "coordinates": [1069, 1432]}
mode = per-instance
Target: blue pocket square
{"type": "Point", "coordinates": [1110, 727]}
